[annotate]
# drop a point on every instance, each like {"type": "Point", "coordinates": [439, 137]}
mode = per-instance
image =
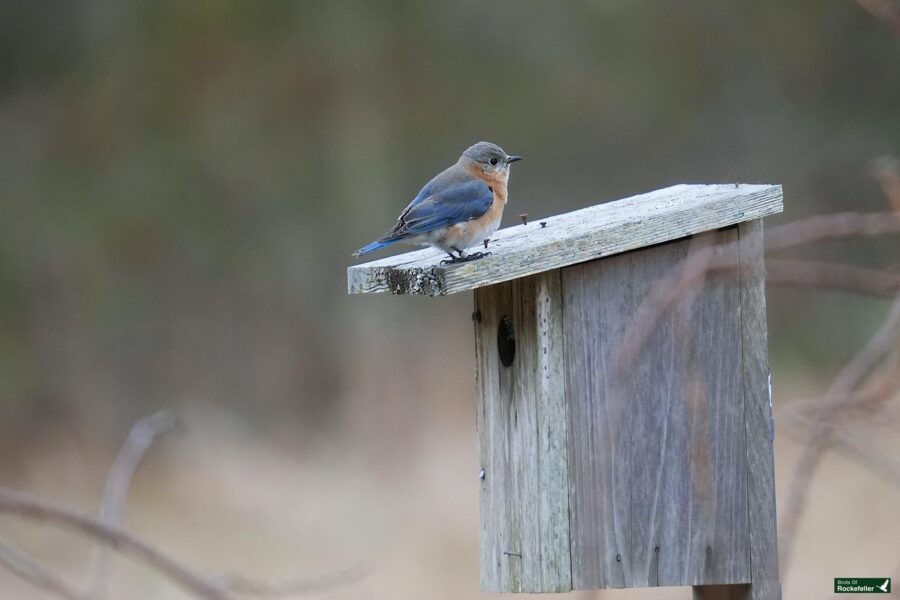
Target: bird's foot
{"type": "Point", "coordinates": [465, 258]}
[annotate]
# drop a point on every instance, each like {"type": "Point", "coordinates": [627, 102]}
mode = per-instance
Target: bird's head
{"type": "Point", "coordinates": [490, 158]}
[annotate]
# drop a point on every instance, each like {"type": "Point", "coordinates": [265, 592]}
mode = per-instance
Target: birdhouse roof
{"type": "Point", "coordinates": [570, 238]}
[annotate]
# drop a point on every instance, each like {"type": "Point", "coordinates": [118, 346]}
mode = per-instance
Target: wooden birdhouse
{"type": "Point", "coordinates": [622, 393]}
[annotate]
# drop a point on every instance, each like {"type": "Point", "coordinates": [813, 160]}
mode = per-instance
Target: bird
{"type": "Point", "coordinates": [460, 207]}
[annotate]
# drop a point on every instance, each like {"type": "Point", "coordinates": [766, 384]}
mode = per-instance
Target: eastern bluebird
{"type": "Point", "coordinates": [460, 207]}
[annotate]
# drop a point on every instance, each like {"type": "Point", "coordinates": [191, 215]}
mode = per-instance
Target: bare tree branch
{"type": "Point", "coordinates": [843, 387]}
{"type": "Point", "coordinates": [240, 584]}
{"type": "Point", "coordinates": [106, 531]}
{"type": "Point", "coordinates": [810, 273]}
{"type": "Point", "coordinates": [25, 567]}
{"type": "Point", "coordinates": [115, 493]}
{"type": "Point", "coordinates": [884, 10]}
{"type": "Point", "coordinates": [850, 447]}
{"type": "Point", "coordinates": [17, 503]}
{"type": "Point", "coordinates": [830, 227]}
{"type": "Point", "coordinates": [886, 170]}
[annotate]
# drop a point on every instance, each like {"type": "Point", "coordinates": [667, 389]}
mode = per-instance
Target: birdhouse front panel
{"type": "Point", "coordinates": [522, 420]}
{"type": "Point", "coordinates": [611, 422]}
{"type": "Point", "coordinates": [656, 420]}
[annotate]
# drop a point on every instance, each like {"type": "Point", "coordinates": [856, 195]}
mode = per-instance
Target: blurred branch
{"type": "Point", "coordinates": [886, 170]}
{"type": "Point", "coordinates": [22, 505]}
{"type": "Point", "coordinates": [829, 227]}
{"type": "Point", "coordinates": [822, 427]}
{"type": "Point", "coordinates": [200, 586]}
{"type": "Point", "coordinates": [106, 531]}
{"type": "Point", "coordinates": [240, 584]}
{"type": "Point", "coordinates": [680, 281]}
{"type": "Point", "coordinates": [24, 567]}
{"type": "Point", "coordinates": [809, 273]}
{"type": "Point", "coordinates": [883, 10]}
{"type": "Point", "coordinates": [115, 493]}
{"type": "Point", "coordinates": [850, 447]}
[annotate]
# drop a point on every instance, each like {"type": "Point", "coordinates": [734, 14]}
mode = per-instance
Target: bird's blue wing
{"type": "Point", "coordinates": [455, 203]}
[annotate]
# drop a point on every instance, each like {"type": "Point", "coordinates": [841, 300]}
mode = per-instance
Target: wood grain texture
{"type": "Point", "coordinates": [759, 420]}
{"type": "Point", "coordinates": [521, 419]}
{"type": "Point", "coordinates": [602, 230]}
{"type": "Point", "coordinates": [657, 463]}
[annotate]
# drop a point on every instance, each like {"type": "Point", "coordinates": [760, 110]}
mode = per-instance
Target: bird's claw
{"type": "Point", "coordinates": [468, 257]}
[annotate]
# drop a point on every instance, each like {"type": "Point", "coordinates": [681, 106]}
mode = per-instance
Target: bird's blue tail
{"type": "Point", "coordinates": [376, 245]}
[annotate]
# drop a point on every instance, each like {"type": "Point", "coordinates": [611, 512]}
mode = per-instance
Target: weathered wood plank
{"type": "Point", "coordinates": [571, 238]}
{"type": "Point", "coordinates": [657, 462]}
{"type": "Point", "coordinates": [521, 419]}
{"type": "Point", "coordinates": [489, 307]}
{"type": "Point", "coordinates": [760, 424]}
{"type": "Point", "coordinates": [598, 437]}
{"type": "Point", "coordinates": [717, 440]}
{"type": "Point", "coordinates": [553, 464]}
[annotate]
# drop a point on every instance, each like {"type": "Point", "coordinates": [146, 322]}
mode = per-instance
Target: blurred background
{"type": "Point", "coordinates": [182, 185]}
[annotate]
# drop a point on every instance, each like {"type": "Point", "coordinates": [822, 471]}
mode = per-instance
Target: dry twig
{"type": "Point", "coordinates": [22, 505]}
{"type": "Point", "coordinates": [820, 432]}
{"type": "Point", "coordinates": [25, 567]}
{"type": "Point", "coordinates": [105, 530]}
{"type": "Point", "coordinates": [821, 228]}
{"type": "Point", "coordinates": [810, 273]}
{"type": "Point", "coordinates": [850, 447]}
{"type": "Point", "coordinates": [886, 170]}
{"type": "Point", "coordinates": [115, 493]}
{"type": "Point", "coordinates": [240, 584]}
{"type": "Point", "coordinates": [884, 10]}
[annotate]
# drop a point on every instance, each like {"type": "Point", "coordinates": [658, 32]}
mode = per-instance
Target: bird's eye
{"type": "Point", "coordinates": [493, 161]}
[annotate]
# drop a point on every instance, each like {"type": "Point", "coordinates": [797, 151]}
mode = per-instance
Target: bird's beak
{"type": "Point", "coordinates": [512, 159]}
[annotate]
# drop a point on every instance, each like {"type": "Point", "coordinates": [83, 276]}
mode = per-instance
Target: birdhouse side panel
{"type": "Point", "coordinates": [760, 424]}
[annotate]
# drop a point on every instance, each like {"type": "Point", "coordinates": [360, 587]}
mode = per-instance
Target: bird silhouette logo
{"type": "Point", "coordinates": [886, 586]}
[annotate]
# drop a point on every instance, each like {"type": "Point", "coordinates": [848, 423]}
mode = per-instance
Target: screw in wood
{"type": "Point", "coordinates": [481, 474]}
{"type": "Point", "coordinates": [543, 224]}
{"type": "Point", "coordinates": [524, 217]}
{"type": "Point", "coordinates": [508, 553]}
{"type": "Point", "coordinates": [618, 558]}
